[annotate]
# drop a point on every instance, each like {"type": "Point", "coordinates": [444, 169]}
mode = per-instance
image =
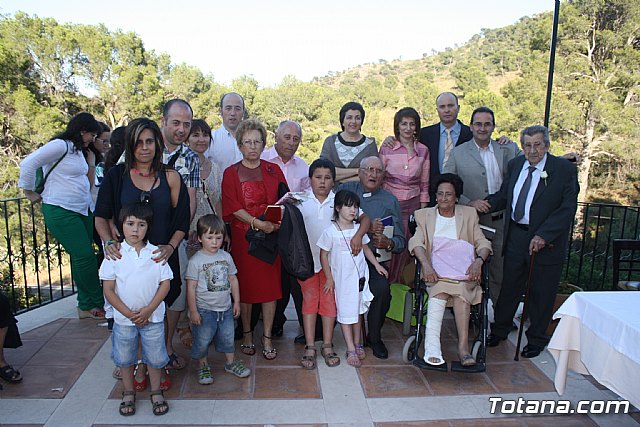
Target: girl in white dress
{"type": "Point", "coordinates": [348, 274]}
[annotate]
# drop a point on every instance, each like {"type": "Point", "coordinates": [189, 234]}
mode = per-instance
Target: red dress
{"type": "Point", "coordinates": [251, 190]}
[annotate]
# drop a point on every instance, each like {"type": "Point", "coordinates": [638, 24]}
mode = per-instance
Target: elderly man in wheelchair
{"type": "Point", "coordinates": [451, 249]}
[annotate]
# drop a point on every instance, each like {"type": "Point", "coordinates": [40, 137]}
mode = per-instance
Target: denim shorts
{"type": "Point", "coordinates": [124, 345]}
{"type": "Point", "coordinates": [216, 326]}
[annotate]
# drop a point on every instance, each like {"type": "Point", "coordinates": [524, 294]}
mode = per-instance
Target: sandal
{"type": "Point", "coordinates": [330, 357]}
{"type": "Point", "coordinates": [360, 351]}
{"type": "Point", "coordinates": [353, 360]}
{"type": "Point", "coordinates": [309, 362]}
{"type": "Point", "coordinates": [467, 360]}
{"type": "Point", "coordinates": [174, 362]}
{"type": "Point", "coordinates": [116, 374]}
{"type": "Point", "coordinates": [185, 336]}
{"type": "Point", "coordinates": [127, 407]}
{"type": "Point", "coordinates": [248, 349]}
{"type": "Point", "coordinates": [159, 407]}
{"type": "Point", "coordinates": [271, 353]}
{"type": "Point", "coordinates": [139, 385]}
{"type": "Point", "coordinates": [7, 373]}
{"type": "Point", "coordinates": [166, 384]}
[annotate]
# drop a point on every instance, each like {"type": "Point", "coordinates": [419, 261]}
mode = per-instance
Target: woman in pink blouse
{"type": "Point", "coordinates": [406, 175]}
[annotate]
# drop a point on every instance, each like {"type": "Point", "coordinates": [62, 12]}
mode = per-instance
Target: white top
{"type": "Point", "coordinates": [446, 227]}
{"type": "Point", "coordinates": [137, 279]}
{"type": "Point", "coordinates": [317, 217]}
{"type": "Point", "coordinates": [349, 301]}
{"type": "Point", "coordinates": [296, 170]}
{"type": "Point", "coordinates": [223, 150]}
{"type": "Point", "coordinates": [68, 185]}
{"type": "Point", "coordinates": [535, 180]}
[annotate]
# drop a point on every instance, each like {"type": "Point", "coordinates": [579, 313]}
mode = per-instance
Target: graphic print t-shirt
{"type": "Point", "coordinates": [213, 291]}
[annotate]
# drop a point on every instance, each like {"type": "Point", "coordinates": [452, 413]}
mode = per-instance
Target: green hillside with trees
{"type": "Point", "coordinates": [50, 71]}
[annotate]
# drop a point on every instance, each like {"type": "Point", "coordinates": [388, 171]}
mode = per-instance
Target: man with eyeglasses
{"type": "Point", "coordinates": [378, 204]}
{"type": "Point", "coordinates": [296, 171]}
{"type": "Point", "coordinates": [482, 164]}
{"type": "Point", "coordinates": [224, 150]}
{"type": "Point", "coordinates": [540, 194]}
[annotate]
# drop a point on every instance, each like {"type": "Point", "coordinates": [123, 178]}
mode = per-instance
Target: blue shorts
{"type": "Point", "coordinates": [124, 345]}
{"type": "Point", "coordinates": [216, 326]}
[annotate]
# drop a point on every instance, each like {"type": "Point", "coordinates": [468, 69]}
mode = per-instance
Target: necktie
{"type": "Point", "coordinates": [518, 212]}
{"type": "Point", "coordinates": [448, 146]}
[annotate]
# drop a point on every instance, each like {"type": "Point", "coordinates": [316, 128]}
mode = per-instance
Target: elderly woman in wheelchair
{"type": "Point", "coordinates": [451, 249]}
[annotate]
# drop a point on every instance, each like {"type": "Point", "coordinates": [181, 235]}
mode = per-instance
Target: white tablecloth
{"type": "Point", "coordinates": [599, 334]}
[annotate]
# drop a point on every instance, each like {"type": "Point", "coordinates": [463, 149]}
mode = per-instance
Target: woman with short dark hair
{"type": "Point", "coordinates": [346, 149]}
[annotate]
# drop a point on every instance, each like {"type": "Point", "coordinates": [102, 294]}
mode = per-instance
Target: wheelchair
{"type": "Point", "coordinates": [416, 307]}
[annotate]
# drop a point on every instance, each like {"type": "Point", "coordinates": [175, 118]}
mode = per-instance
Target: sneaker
{"type": "Point", "coordinates": [204, 375]}
{"type": "Point", "coordinates": [237, 368]}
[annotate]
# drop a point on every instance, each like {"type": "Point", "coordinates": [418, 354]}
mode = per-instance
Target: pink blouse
{"type": "Point", "coordinates": [406, 177]}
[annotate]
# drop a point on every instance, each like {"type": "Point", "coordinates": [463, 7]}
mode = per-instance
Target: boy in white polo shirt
{"type": "Point", "coordinates": [135, 285]}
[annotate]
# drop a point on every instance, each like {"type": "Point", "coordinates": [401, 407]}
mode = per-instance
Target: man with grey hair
{"type": "Point", "coordinates": [540, 195]}
{"type": "Point", "coordinates": [378, 204]}
{"type": "Point", "coordinates": [296, 171]}
{"type": "Point", "coordinates": [283, 153]}
{"type": "Point", "coordinates": [224, 150]}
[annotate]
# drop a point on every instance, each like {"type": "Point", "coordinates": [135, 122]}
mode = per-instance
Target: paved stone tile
{"type": "Point", "coordinates": [456, 383]}
{"type": "Point", "coordinates": [40, 382]}
{"type": "Point", "coordinates": [393, 381]}
{"type": "Point", "coordinates": [516, 377]}
{"type": "Point", "coordinates": [286, 383]}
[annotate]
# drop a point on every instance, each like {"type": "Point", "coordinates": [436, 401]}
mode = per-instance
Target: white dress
{"type": "Point", "coordinates": [349, 301]}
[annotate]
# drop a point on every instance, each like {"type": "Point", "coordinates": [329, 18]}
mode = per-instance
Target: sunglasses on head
{"type": "Point", "coordinates": [145, 197]}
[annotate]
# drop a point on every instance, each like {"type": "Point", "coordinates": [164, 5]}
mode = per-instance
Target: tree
{"type": "Point", "coordinates": [598, 75]}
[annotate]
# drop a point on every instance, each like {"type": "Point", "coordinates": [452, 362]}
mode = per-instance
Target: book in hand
{"type": "Point", "coordinates": [383, 254]}
{"type": "Point", "coordinates": [273, 213]}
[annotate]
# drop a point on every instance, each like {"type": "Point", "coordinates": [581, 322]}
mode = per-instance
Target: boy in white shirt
{"type": "Point", "coordinates": [211, 282]}
{"type": "Point", "coordinates": [135, 285]}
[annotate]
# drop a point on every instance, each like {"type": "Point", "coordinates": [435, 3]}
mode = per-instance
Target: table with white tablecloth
{"type": "Point", "coordinates": [599, 335]}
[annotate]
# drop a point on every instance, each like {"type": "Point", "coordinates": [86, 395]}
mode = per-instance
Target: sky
{"type": "Point", "coordinates": [270, 39]}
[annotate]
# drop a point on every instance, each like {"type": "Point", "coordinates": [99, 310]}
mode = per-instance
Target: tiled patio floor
{"type": "Point", "coordinates": [66, 362]}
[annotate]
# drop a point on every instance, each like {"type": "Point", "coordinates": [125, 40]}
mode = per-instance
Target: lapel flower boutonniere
{"type": "Point", "coordinates": [544, 175]}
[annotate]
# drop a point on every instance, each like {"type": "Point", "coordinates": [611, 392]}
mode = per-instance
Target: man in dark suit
{"type": "Point", "coordinates": [540, 195]}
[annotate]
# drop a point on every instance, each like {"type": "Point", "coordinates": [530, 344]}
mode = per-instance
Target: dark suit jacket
{"type": "Point", "coordinates": [552, 209]}
{"type": "Point", "coordinates": [430, 136]}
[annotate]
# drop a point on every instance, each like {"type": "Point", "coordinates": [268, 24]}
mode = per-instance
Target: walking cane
{"type": "Point", "coordinates": [524, 308]}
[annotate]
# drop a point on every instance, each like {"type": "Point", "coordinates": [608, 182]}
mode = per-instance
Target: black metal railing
{"type": "Point", "coordinates": [594, 229]}
{"type": "Point", "coordinates": [34, 269]}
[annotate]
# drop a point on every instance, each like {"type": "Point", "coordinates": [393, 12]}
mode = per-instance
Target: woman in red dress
{"type": "Point", "coordinates": [248, 187]}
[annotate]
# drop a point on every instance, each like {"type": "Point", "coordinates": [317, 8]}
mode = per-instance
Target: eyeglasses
{"type": "Point", "coordinates": [255, 143]}
{"type": "Point", "coordinates": [444, 195]}
{"type": "Point", "coordinates": [145, 197]}
{"type": "Point", "coordinates": [371, 170]}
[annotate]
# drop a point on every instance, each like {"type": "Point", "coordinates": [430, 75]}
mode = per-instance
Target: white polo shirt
{"type": "Point", "coordinates": [137, 279]}
{"type": "Point", "coordinates": [317, 216]}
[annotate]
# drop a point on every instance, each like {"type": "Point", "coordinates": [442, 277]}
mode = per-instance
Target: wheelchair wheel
{"type": "Point", "coordinates": [408, 313]}
{"type": "Point", "coordinates": [409, 351]}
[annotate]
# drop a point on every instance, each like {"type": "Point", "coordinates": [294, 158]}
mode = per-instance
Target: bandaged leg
{"type": "Point", "coordinates": [435, 313]}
